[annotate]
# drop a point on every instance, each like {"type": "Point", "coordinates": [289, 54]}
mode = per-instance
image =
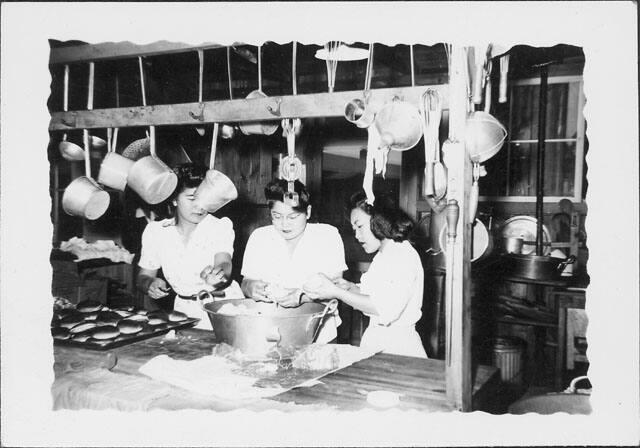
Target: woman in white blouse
{"type": "Point", "coordinates": [193, 249]}
{"type": "Point", "coordinates": [280, 257]}
{"type": "Point", "coordinates": [390, 292]}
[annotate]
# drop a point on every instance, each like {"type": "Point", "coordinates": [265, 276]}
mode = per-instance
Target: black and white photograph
{"type": "Point", "coordinates": [319, 224]}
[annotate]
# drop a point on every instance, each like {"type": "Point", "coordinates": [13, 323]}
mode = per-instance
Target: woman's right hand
{"type": "Point", "coordinates": [158, 289]}
{"type": "Point", "coordinates": [319, 286]}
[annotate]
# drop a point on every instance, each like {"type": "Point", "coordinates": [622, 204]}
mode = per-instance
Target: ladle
{"type": "Point", "coordinates": [260, 128]}
{"type": "Point", "coordinates": [69, 151]}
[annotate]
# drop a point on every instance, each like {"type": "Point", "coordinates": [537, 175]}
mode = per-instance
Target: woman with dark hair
{"type": "Point", "coordinates": [193, 249]}
{"type": "Point", "coordinates": [390, 292]}
{"type": "Point", "coordinates": [280, 257]}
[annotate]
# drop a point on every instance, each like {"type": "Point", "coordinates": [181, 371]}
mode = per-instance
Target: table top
{"type": "Point", "coordinates": [419, 382]}
{"type": "Point", "coordinates": [89, 374]}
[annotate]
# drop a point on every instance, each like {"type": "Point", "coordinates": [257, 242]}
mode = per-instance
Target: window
{"type": "Point", "coordinates": [512, 172]}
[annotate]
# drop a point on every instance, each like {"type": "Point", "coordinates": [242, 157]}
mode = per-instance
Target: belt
{"type": "Point", "coordinates": [195, 296]}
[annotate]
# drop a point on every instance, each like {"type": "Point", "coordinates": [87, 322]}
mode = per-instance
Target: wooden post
{"type": "Point", "coordinates": [459, 175]}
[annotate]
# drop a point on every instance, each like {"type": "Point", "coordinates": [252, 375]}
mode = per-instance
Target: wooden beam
{"type": "Point", "coordinates": [230, 111]}
{"type": "Point", "coordinates": [458, 318]}
{"type": "Point", "coordinates": [121, 50]}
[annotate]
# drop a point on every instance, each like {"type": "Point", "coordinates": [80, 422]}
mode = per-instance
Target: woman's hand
{"type": "Point", "coordinates": [213, 276]}
{"type": "Point", "coordinates": [319, 286]}
{"type": "Point", "coordinates": [158, 289]}
{"type": "Point", "coordinates": [345, 284]}
{"type": "Point", "coordinates": [291, 300]}
{"type": "Point", "coordinates": [255, 289]}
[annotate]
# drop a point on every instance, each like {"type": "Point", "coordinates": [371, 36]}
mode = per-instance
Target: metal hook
{"type": "Point", "coordinates": [200, 116]}
{"type": "Point", "coordinates": [275, 110]}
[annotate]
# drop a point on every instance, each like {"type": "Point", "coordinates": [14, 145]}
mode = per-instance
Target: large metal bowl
{"type": "Point", "coordinates": [273, 327]}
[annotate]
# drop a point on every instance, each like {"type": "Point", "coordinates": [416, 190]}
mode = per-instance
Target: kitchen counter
{"type": "Point", "coordinates": [87, 379]}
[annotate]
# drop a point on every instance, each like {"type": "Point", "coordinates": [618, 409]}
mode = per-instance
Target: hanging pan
{"type": "Point", "coordinates": [83, 196]}
{"type": "Point", "coordinates": [216, 190]}
{"type": "Point", "coordinates": [149, 176]}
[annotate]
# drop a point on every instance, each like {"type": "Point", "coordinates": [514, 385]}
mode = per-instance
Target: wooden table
{"type": "Point", "coordinates": [420, 381]}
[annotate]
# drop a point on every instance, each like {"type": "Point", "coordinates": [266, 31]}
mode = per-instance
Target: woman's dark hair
{"type": "Point", "coordinates": [277, 188]}
{"type": "Point", "coordinates": [190, 175]}
{"type": "Point", "coordinates": [387, 221]}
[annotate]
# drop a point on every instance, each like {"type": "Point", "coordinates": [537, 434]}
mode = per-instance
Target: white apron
{"type": "Point", "coordinates": [397, 340]}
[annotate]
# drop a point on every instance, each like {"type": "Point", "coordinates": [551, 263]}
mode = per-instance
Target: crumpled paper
{"type": "Point", "coordinates": [98, 249]}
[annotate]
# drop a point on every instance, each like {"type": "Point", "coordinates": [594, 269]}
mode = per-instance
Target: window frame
{"type": "Point", "coordinates": [579, 141]}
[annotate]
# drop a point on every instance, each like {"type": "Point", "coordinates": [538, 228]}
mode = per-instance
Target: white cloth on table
{"type": "Point", "coordinates": [208, 375]}
{"type": "Point", "coordinates": [320, 250]}
{"type": "Point", "coordinates": [163, 247]}
{"type": "Point", "coordinates": [395, 284]}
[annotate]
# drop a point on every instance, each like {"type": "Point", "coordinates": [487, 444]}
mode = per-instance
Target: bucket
{"type": "Point", "coordinates": [215, 191]}
{"type": "Point", "coordinates": [152, 179]}
{"type": "Point", "coordinates": [114, 171]}
{"type": "Point", "coordinates": [84, 197]}
{"type": "Point", "coordinates": [507, 356]}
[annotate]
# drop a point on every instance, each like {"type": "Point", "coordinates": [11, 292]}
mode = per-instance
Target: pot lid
{"type": "Point", "coordinates": [526, 227]}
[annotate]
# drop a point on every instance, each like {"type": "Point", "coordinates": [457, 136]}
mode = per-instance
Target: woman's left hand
{"type": "Point", "coordinates": [213, 276]}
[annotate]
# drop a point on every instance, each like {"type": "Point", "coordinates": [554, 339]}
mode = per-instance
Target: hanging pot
{"type": "Point", "coordinates": [399, 125]}
{"type": "Point", "coordinates": [114, 169]}
{"type": "Point", "coordinates": [84, 197]}
{"type": "Point", "coordinates": [536, 267]}
{"type": "Point", "coordinates": [151, 178]}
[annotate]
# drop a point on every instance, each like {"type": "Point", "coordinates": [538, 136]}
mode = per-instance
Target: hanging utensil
{"type": "Point", "coordinates": [291, 166]}
{"type": "Point", "coordinates": [114, 169]}
{"type": "Point", "coordinates": [83, 196]}
{"type": "Point", "coordinates": [373, 160]}
{"type": "Point", "coordinates": [399, 124]}
{"type": "Point", "coordinates": [149, 176]}
{"type": "Point", "coordinates": [216, 190]}
{"type": "Point", "coordinates": [439, 170]}
{"type": "Point", "coordinates": [453, 213]}
{"type": "Point", "coordinates": [504, 71]}
{"type": "Point", "coordinates": [451, 144]}
{"type": "Point", "coordinates": [263, 128]}
{"type": "Point", "coordinates": [331, 60]}
{"type": "Point", "coordinates": [200, 129]}
{"type": "Point", "coordinates": [480, 54]}
{"type": "Point", "coordinates": [141, 147]}
{"type": "Point", "coordinates": [429, 156]}
{"type": "Point", "coordinates": [69, 151]}
{"type": "Point", "coordinates": [474, 194]}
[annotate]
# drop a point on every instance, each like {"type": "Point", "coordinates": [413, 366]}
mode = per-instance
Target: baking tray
{"type": "Point", "coordinates": [127, 339]}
